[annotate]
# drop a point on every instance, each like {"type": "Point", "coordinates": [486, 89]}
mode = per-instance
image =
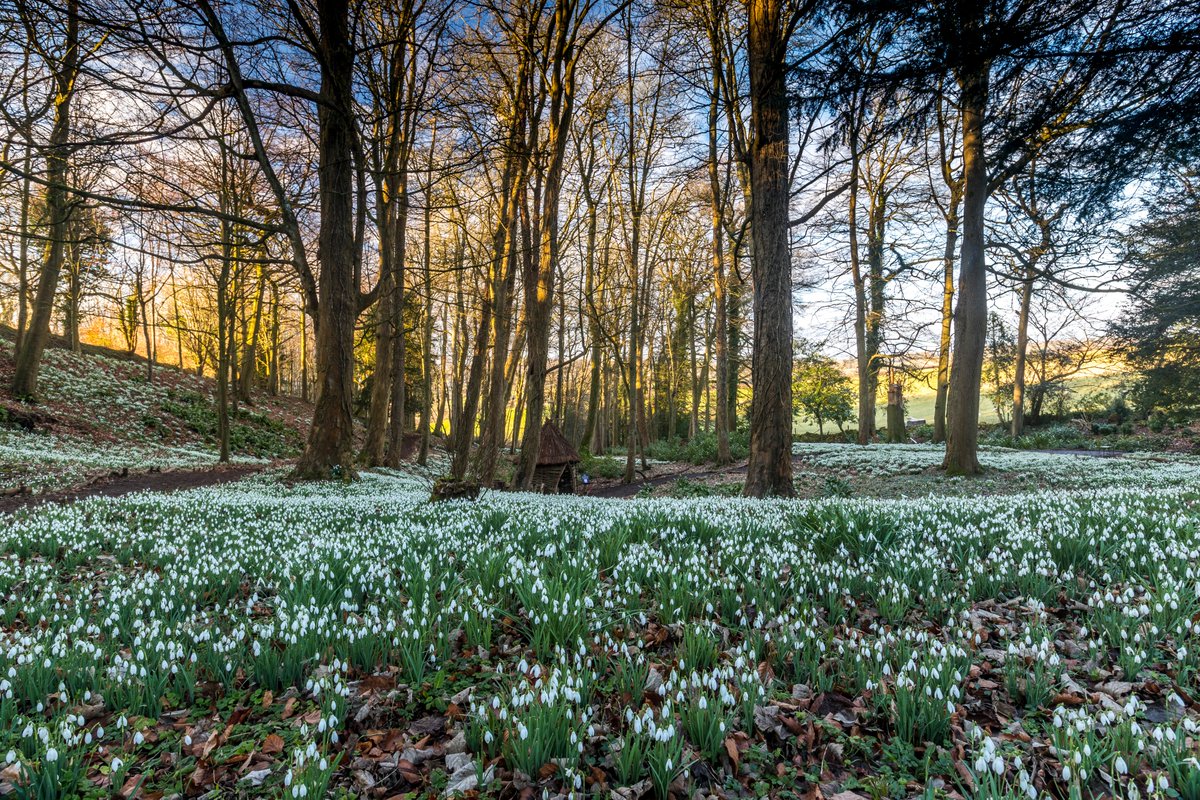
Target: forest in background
{"type": "Point", "coordinates": [644, 221]}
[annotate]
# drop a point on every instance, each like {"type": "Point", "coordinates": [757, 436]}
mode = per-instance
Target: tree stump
{"type": "Point", "coordinates": [450, 489]}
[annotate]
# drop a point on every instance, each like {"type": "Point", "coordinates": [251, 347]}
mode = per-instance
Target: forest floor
{"type": "Point", "coordinates": [122, 483]}
{"type": "Point", "coordinates": [892, 471]}
{"type": "Point", "coordinates": [267, 639]}
{"type": "Point", "coordinates": [105, 417]}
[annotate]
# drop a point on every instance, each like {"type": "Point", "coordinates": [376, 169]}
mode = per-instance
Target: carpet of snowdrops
{"type": "Point", "coordinates": [270, 640]}
{"type": "Point", "coordinates": [46, 462]}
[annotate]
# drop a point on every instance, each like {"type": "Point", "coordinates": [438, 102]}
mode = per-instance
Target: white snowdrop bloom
{"type": "Point", "coordinates": [51, 755]}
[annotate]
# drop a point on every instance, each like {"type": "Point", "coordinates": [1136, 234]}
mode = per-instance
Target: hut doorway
{"type": "Point", "coordinates": [555, 470]}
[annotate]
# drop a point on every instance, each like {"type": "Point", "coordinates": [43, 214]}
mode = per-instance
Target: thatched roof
{"type": "Point", "coordinates": [554, 448]}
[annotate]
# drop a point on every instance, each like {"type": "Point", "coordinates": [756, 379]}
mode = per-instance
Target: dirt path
{"type": "Point", "coordinates": [616, 489]}
{"type": "Point", "coordinates": [117, 485]}
{"type": "Point", "coordinates": [626, 490]}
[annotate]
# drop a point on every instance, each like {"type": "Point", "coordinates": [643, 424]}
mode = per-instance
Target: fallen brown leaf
{"type": "Point", "coordinates": [731, 750]}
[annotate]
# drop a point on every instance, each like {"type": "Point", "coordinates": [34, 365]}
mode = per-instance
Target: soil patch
{"type": "Point", "coordinates": [122, 483]}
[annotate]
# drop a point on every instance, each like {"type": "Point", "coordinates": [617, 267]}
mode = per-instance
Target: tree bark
{"type": "Point", "coordinates": [58, 208]}
{"type": "Point", "coordinates": [539, 287]}
{"type": "Point", "coordinates": [769, 472]}
{"type": "Point", "coordinates": [866, 398]}
{"type": "Point", "coordinates": [970, 324]}
{"type": "Point", "coordinates": [427, 331]}
{"type": "Point", "coordinates": [943, 368]}
{"type": "Point", "coordinates": [1017, 427]}
{"type": "Point", "coordinates": [505, 247]}
{"type": "Point", "coordinates": [250, 353]}
{"type": "Point", "coordinates": [331, 437]}
{"type": "Point", "coordinates": [720, 285]}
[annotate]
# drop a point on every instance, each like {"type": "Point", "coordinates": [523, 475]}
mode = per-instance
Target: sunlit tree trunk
{"type": "Point", "coordinates": [769, 472]}
{"type": "Point", "coordinates": [1017, 426]}
{"type": "Point", "coordinates": [331, 437]}
{"type": "Point", "coordinates": [943, 368]}
{"type": "Point", "coordinates": [970, 324]}
{"type": "Point", "coordinates": [539, 286]}
{"type": "Point", "coordinates": [57, 212]}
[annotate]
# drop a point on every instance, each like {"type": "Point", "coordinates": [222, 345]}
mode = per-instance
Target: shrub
{"type": "Point", "coordinates": [700, 449]}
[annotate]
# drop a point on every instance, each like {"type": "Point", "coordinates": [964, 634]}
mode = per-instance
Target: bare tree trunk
{"type": "Point", "coordinates": [539, 287]}
{"type": "Point", "coordinates": [444, 371]}
{"type": "Point", "coordinates": [694, 365]}
{"type": "Point", "coordinates": [58, 208]}
{"type": "Point", "coordinates": [943, 369]}
{"type": "Point", "coordinates": [331, 437]}
{"type": "Point", "coordinates": [970, 324]}
{"type": "Point", "coordinates": [250, 354]}
{"type": "Point", "coordinates": [589, 288]}
{"type": "Point", "coordinates": [273, 378]}
{"type": "Point", "coordinates": [427, 332]}
{"type": "Point", "coordinates": [23, 266]}
{"type": "Point", "coordinates": [1017, 428]}
{"type": "Point", "coordinates": [770, 469]}
{"type": "Point", "coordinates": [147, 312]}
{"type": "Point", "coordinates": [228, 252]}
{"type": "Point", "coordinates": [505, 247]}
{"type": "Point", "coordinates": [464, 424]}
{"type": "Point", "coordinates": [866, 398]}
{"type": "Point", "coordinates": [720, 285]}
{"type": "Point", "coordinates": [397, 377]}
{"type": "Point", "coordinates": [303, 353]}
{"type": "Point", "coordinates": [874, 333]}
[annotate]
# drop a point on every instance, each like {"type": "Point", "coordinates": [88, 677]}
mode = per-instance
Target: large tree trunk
{"type": "Point", "coordinates": [539, 292]}
{"type": "Point", "coordinates": [57, 212]}
{"type": "Point", "coordinates": [331, 437]}
{"type": "Point", "coordinates": [505, 248]}
{"type": "Point", "coordinates": [970, 324]}
{"type": "Point", "coordinates": [770, 469]}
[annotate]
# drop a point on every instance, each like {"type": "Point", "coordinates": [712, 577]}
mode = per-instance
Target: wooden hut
{"type": "Point", "coordinates": [555, 471]}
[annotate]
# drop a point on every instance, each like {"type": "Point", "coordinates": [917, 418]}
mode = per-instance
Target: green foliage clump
{"type": "Point", "coordinates": [1052, 437]}
{"type": "Point", "coordinates": [700, 449]}
{"type": "Point", "coordinates": [821, 393]}
{"type": "Point", "coordinates": [249, 432]}
{"type": "Point", "coordinates": [601, 466]}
